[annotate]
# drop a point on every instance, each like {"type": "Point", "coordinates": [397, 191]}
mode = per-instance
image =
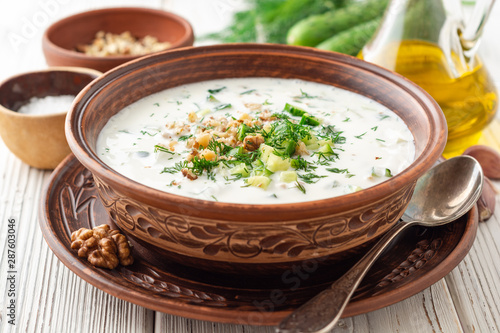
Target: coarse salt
{"type": "Point", "coordinates": [47, 105]}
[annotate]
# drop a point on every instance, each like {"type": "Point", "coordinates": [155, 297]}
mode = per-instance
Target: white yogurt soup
{"type": "Point", "coordinates": [257, 141]}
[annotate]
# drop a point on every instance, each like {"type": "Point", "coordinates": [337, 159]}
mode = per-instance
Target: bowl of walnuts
{"type": "Point", "coordinates": [105, 38]}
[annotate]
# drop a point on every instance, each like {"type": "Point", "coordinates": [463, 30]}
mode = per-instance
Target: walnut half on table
{"type": "Point", "coordinates": [102, 246]}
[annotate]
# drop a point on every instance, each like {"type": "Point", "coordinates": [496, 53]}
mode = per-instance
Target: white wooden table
{"type": "Point", "coordinates": [50, 298]}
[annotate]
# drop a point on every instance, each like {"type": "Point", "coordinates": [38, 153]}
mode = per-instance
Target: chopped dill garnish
{"type": "Point", "coordinates": [219, 148]}
{"type": "Point", "coordinates": [185, 137]}
{"type": "Point", "coordinates": [341, 171]}
{"type": "Point", "coordinates": [198, 165]}
{"type": "Point", "coordinates": [303, 94]}
{"type": "Point", "coordinates": [310, 178]}
{"type": "Point", "coordinates": [150, 134]}
{"type": "Point", "coordinates": [337, 170]}
{"type": "Point", "coordinates": [248, 92]}
{"type": "Point", "coordinates": [300, 187]}
{"type": "Point", "coordinates": [162, 149]}
{"type": "Point", "coordinates": [176, 168]}
{"type": "Point", "coordinates": [156, 104]}
{"type": "Point", "coordinates": [359, 136]}
{"type": "Point", "coordinates": [211, 175]}
{"type": "Point", "coordinates": [325, 159]}
{"type": "Point", "coordinates": [300, 163]}
{"type": "Point", "coordinates": [285, 134]}
{"type": "Point", "coordinates": [215, 91]}
{"type": "Point", "coordinates": [374, 128]}
{"type": "Point", "coordinates": [222, 106]}
{"type": "Point", "coordinates": [234, 178]}
{"type": "Point", "coordinates": [328, 132]}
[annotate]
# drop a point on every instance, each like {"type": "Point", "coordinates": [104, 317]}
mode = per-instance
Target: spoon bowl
{"type": "Point", "coordinates": [442, 195]}
{"type": "Point", "coordinates": [445, 197]}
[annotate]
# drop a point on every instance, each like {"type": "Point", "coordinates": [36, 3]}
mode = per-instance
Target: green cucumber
{"type": "Point", "coordinates": [315, 29]}
{"type": "Point", "coordinates": [352, 40]}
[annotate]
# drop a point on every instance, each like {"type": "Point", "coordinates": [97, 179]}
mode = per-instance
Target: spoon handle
{"type": "Point", "coordinates": [323, 311]}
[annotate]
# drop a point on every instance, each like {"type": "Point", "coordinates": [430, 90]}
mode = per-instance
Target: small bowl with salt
{"type": "Point", "coordinates": [33, 109]}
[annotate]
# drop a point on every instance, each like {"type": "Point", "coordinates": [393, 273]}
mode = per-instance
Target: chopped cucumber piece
{"type": "Point", "coordinates": [240, 169]}
{"type": "Point", "coordinates": [265, 151]}
{"type": "Point", "coordinates": [288, 176]}
{"type": "Point", "coordinates": [380, 172]}
{"type": "Point", "coordinates": [242, 131]}
{"type": "Point", "coordinates": [293, 110]}
{"type": "Point", "coordinates": [203, 112]}
{"type": "Point", "coordinates": [211, 98]}
{"type": "Point", "coordinates": [326, 149]}
{"type": "Point", "coordinates": [314, 146]}
{"type": "Point", "coordinates": [258, 181]}
{"type": "Point", "coordinates": [287, 148]}
{"type": "Point", "coordinates": [325, 142]}
{"type": "Point", "coordinates": [376, 172]}
{"type": "Point", "coordinates": [276, 163]}
{"type": "Point", "coordinates": [310, 140]}
{"type": "Point", "coordinates": [307, 119]}
{"type": "Point", "coordinates": [354, 188]}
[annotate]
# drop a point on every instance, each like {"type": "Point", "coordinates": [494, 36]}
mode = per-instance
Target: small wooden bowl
{"type": "Point", "coordinates": [61, 38]}
{"type": "Point", "coordinates": [39, 140]}
{"type": "Point", "coordinates": [246, 238]}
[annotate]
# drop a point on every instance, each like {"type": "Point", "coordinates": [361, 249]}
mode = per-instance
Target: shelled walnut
{"type": "Point", "coordinates": [102, 246]}
{"type": "Point", "coordinates": [110, 44]}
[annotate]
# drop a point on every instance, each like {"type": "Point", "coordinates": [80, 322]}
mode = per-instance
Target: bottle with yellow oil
{"type": "Point", "coordinates": [429, 44]}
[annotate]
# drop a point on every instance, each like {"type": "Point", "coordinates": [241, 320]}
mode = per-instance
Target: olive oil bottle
{"type": "Point", "coordinates": [419, 41]}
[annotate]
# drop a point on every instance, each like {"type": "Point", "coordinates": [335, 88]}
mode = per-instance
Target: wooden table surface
{"type": "Point", "coordinates": [50, 298]}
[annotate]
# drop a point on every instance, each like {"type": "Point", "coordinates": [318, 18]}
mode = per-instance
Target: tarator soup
{"type": "Point", "coordinates": [257, 141]}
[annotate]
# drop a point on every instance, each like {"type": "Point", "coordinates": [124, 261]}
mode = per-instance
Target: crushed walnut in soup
{"type": "Point", "coordinates": [257, 141]}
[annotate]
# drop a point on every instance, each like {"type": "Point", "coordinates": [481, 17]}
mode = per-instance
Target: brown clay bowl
{"type": "Point", "coordinates": [246, 238]}
{"type": "Point", "coordinates": [39, 139]}
{"type": "Point", "coordinates": [61, 38]}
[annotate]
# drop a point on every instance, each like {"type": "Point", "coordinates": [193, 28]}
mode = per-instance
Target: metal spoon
{"type": "Point", "coordinates": [442, 195]}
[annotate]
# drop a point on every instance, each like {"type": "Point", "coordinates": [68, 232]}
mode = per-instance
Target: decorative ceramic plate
{"type": "Point", "coordinates": [418, 258]}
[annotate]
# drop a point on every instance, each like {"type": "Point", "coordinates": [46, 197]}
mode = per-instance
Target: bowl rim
{"type": "Point", "coordinates": [49, 45]}
{"type": "Point", "coordinates": [15, 113]}
{"type": "Point", "coordinates": [250, 212]}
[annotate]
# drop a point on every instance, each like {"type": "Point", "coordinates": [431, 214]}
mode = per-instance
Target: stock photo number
{"type": "Point", "coordinates": [11, 271]}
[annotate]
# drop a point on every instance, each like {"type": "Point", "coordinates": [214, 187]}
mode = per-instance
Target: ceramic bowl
{"type": "Point", "coordinates": [246, 238]}
{"type": "Point", "coordinates": [39, 139]}
{"type": "Point", "coordinates": [61, 38]}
